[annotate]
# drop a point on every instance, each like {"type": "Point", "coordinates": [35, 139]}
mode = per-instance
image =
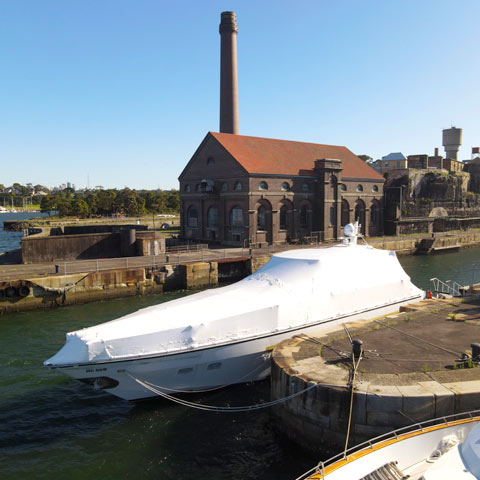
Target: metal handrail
{"type": "Point", "coordinates": [448, 287]}
{"type": "Point", "coordinates": [417, 427]}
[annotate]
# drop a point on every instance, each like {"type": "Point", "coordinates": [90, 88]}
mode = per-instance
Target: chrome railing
{"type": "Point", "coordinates": [319, 469]}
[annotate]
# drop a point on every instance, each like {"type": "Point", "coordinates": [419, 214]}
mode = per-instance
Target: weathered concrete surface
{"type": "Point", "coordinates": [52, 291]}
{"type": "Point", "coordinates": [408, 374]}
{"type": "Point", "coordinates": [200, 274]}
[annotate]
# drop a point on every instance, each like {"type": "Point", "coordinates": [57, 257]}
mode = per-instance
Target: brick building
{"type": "Point", "coordinates": [239, 190]}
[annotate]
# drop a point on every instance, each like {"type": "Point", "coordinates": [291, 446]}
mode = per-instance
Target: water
{"type": "Point", "coordinates": [54, 427]}
{"type": "Point", "coordinates": [11, 240]}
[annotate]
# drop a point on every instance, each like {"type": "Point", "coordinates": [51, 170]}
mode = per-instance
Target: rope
{"type": "Point", "coordinates": [213, 408]}
{"type": "Point", "coordinates": [419, 339]}
{"type": "Point", "coordinates": [355, 367]}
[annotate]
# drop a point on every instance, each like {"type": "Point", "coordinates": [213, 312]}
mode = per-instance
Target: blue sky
{"type": "Point", "coordinates": [121, 93]}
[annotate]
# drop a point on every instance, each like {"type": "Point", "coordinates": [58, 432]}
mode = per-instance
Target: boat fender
{"type": "Point", "coordinates": [24, 291]}
{"type": "Point", "coordinates": [10, 292]}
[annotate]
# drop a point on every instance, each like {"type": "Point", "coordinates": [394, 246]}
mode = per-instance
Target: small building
{"type": "Point", "coordinates": [392, 161]}
{"type": "Point", "coordinates": [240, 190]}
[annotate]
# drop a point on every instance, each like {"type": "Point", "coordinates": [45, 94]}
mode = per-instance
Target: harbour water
{"type": "Point", "coordinates": [54, 427]}
{"type": "Point", "coordinates": [11, 240]}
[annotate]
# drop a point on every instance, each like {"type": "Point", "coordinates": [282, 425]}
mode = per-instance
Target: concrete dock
{"type": "Point", "coordinates": [416, 365]}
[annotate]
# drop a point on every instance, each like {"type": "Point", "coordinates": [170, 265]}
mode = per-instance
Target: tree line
{"type": "Point", "coordinates": [111, 202]}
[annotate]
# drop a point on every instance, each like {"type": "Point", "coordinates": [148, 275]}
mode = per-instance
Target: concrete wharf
{"type": "Point", "coordinates": [417, 365]}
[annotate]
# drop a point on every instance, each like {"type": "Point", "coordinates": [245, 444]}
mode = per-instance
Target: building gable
{"type": "Point", "coordinates": [211, 160]}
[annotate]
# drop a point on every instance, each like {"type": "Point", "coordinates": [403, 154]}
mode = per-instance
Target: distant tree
{"type": "Point", "coordinates": [173, 201]}
{"type": "Point", "coordinates": [365, 158]}
{"type": "Point", "coordinates": [48, 204]}
{"type": "Point", "coordinates": [79, 207]}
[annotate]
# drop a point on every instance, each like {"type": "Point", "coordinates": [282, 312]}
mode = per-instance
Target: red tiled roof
{"type": "Point", "coordinates": [284, 157]}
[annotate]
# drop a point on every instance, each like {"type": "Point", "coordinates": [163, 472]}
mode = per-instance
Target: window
{"type": "Point", "coordinates": [359, 188]}
{"type": "Point", "coordinates": [212, 217]}
{"type": "Point", "coordinates": [263, 186]}
{"type": "Point", "coordinates": [304, 217]}
{"type": "Point", "coordinates": [285, 187]}
{"type": "Point", "coordinates": [187, 188]}
{"type": "Point", "coordinates": [283, 218]}
{"type": "Point", "coordinates": [398, 164]}
{"type": "Point", "coordinates": [305, 188]}
{"type": "Point", "coordinates": [345, 215]}
{"type": "Point", "coordinates": [198, 187]}
{"type": "Point", "coordinates": [238, 186]}
{"type": "Point", "coordinates": [224, 187]}
{"type": "Point", "coordinates": [375, 188]}
{"type": "Point", "coordinates": [236, 216]}
{"type": "Point", "coordinates": [343, 187]}
{"type": "Point", "coordinates": [261, 218]}
{"type": "Point", "coordinates": [210, 161]}
{"type": "Point", "coordinates": [192, 216]}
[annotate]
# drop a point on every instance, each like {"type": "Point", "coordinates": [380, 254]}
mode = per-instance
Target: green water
{"type": "Point", "coordinates": [52, 427]}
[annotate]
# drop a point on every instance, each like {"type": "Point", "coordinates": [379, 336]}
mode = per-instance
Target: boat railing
{"type": "Point", "coordinates": [448, 287]}
{"type": "Point", "coordinates": [319, 469]}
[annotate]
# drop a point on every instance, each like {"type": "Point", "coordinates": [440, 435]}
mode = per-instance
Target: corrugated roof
{"type": "Point", "coordinates": [285, 157]}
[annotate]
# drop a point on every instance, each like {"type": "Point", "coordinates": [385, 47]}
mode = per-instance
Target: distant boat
{"type": "Point", "coordinates": [441, 449]}
{"type": "Point", "coordinates": [224, 336]}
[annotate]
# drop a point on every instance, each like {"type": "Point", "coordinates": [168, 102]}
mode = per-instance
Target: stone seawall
{"type": "Point", "coordinates": [410, 372]}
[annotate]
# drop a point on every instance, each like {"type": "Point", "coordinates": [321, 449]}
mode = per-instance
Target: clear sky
{"type": "Point", "coordinates": [121, 93]}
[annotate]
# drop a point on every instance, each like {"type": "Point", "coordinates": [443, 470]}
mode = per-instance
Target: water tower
{"type": "Point", "coordinates": [451, 140]}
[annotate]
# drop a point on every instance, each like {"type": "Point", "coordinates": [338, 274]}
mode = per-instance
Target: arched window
{"type": "Point", "coordinates": [304, 217]}
{"type": "Point", "coordinates": [236, 216]}
{"type": "Point", "coordinates": [375, 213]}
{"type": "Point", "coordinates": [212, 217]}
{"type": "Point", "coordinates": [343, 187]}
{"type": "Point", "coordinates": [345, 213]}
{"type": "Point", "coordinates": [263, 186]}
{"type": "Point", "coordinates": [224, 187]}
{"type": "Point", "coordinates": [285, 187]}
{"type": "Point", "coordinates": [359, 188]}
{"type": "Point", "coordinates": [261, 218]}
{"type": "Point", "coordinates": [375, 188]}
{"type": "Point", "coordinates": [210, 161]}
{"type": "Point", "coordinates": [192, 216]}
{"type": "Point", "coordinates": [238, 186]}
{"type": "Point", "coordinates": [305, 188]}
{"type": "Point", "coordinates": [360, 215]}
{"type": "Point", "coordinates": [283, 217]}
{"type": "Point", "coordinates": [187, 188]}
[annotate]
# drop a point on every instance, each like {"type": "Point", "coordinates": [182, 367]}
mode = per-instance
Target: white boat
{"type": "Point", "coordinates": [441, 449]}
{"type": "Point", "coordinates": [225, 335]}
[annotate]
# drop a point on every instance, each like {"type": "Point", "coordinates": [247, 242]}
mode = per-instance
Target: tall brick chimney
{"type": "Point", "coordinates": [228, 74]}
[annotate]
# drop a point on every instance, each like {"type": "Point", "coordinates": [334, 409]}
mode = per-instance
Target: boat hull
{"type": "Point", "coordinates": [202, 369]}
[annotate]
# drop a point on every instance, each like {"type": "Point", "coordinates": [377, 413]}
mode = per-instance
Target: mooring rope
{"type": "Point", "coordinates": [239, 380]}
{"type": "Point", "coordinates": [219, 409]}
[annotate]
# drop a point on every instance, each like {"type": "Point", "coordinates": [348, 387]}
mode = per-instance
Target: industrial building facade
{"type": "Point", "coordinates": [239, 190]}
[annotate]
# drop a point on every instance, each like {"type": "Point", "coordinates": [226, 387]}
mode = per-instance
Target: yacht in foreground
{"type": "Point", "coordinates": [442, 449]}
{"type": "Point", "coordinates": [225, 335]}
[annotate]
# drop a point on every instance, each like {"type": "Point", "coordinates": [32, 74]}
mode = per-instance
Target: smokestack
{"type": "Point", "coordinates": [228, 74]}
{"type": "Point", "coordinates": [436, 151]}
